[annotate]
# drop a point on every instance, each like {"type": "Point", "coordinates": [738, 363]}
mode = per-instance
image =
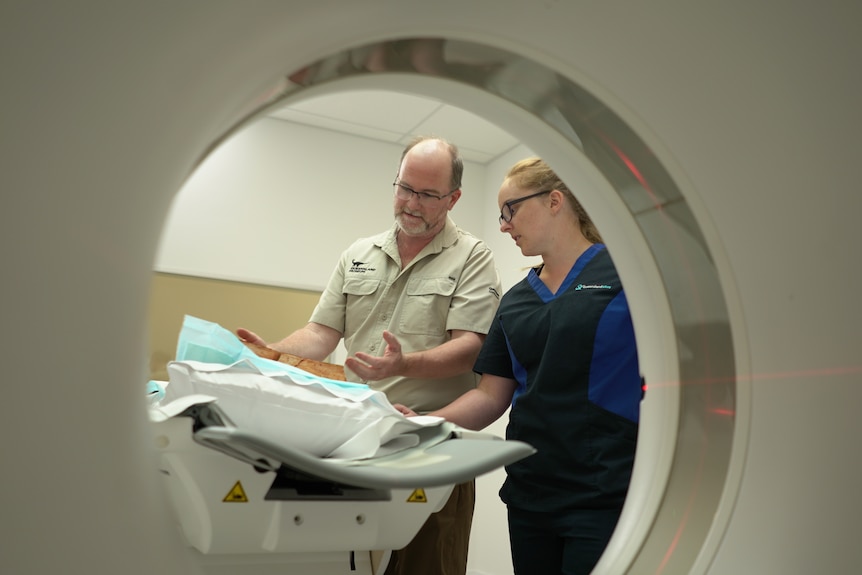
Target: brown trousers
{"type": "Point", "coordinates": [440, 546]}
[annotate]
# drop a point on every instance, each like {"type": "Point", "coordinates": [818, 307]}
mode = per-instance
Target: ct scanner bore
{"type": "Point", "coordinates": [587, 135]}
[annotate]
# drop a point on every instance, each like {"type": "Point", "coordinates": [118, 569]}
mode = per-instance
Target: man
{"type": "Point", "coordinates": [413, 305]}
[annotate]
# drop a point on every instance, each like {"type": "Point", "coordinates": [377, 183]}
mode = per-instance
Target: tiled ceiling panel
{"type": "Point", "coordinates": [394, 117]}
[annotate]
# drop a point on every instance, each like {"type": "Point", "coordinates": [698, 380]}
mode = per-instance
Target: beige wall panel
{"type": "Point", "coordinates": [272, 312]}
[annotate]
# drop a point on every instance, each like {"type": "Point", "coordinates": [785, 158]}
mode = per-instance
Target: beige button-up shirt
{"type": "Point", "coordinates": [452, 284]}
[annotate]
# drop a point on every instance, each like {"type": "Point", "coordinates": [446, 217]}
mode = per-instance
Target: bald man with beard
{"type": "Point", "coordinates": [413, 305]}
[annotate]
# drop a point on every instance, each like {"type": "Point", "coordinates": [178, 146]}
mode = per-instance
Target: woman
{"type": "Point", "coordinates": [562, 352]}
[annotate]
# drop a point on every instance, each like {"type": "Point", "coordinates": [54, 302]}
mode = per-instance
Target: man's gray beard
{"type": "Point", "coordinates": [415, 229]}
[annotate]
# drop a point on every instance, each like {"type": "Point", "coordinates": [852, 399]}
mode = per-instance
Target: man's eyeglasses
{"type": "Point", "coordinates": [507, 213]}
{"type": "Point", "coordinates": [405, 192]}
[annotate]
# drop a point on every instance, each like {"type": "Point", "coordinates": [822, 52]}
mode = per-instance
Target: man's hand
{"type": "Point", "coordinates": [247, 336]}
{"type": "Point", "coordinates": [255, 343]}
{"type": "Point", "coordinates": [373, 368]}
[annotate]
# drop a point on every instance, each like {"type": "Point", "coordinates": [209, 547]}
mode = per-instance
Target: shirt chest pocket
{"type": "Point", "coordinates": [361, 296]}
{"type": "Point", "coordinates": [426, 305]}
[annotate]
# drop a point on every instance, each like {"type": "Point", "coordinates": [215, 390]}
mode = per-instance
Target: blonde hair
{"type": "Point", "coordinates": [535, 174]}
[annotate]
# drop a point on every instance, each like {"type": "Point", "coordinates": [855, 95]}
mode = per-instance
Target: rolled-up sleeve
{"type": "Point", "coordinates": [477, 293]}
{"type": "Point", "coordinates": [332, 307]}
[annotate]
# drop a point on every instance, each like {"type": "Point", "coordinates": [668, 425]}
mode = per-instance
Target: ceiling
{"type": "Point", "coordinates": [396, 118]}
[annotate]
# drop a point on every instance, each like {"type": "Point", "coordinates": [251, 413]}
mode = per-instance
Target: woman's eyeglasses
{"type": "Point", "coordinates": [507, 213]}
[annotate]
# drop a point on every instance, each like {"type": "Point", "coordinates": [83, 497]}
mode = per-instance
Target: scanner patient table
{"type": "Point", "coordinates": [248, 504]}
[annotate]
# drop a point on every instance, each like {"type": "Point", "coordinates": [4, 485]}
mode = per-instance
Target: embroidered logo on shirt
{"type": "Point", "coordinates": [592, 286]}
{"type": "Point", "coordinates": [359, 267]}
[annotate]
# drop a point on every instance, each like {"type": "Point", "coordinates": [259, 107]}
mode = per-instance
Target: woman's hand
{"type": "Point", "coordinates": [404, 410]}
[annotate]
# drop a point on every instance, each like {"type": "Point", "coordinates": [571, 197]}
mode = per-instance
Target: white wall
{"type": "Point", "coordinates": [279, 202]}
{"type": "Point", "coordinates": [276, 205]}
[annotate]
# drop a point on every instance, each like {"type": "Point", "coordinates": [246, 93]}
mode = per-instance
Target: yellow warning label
{"type": "Point", "coordinates": [236, 494]}
{"type": "Point", "coordinates": [418, 496]}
